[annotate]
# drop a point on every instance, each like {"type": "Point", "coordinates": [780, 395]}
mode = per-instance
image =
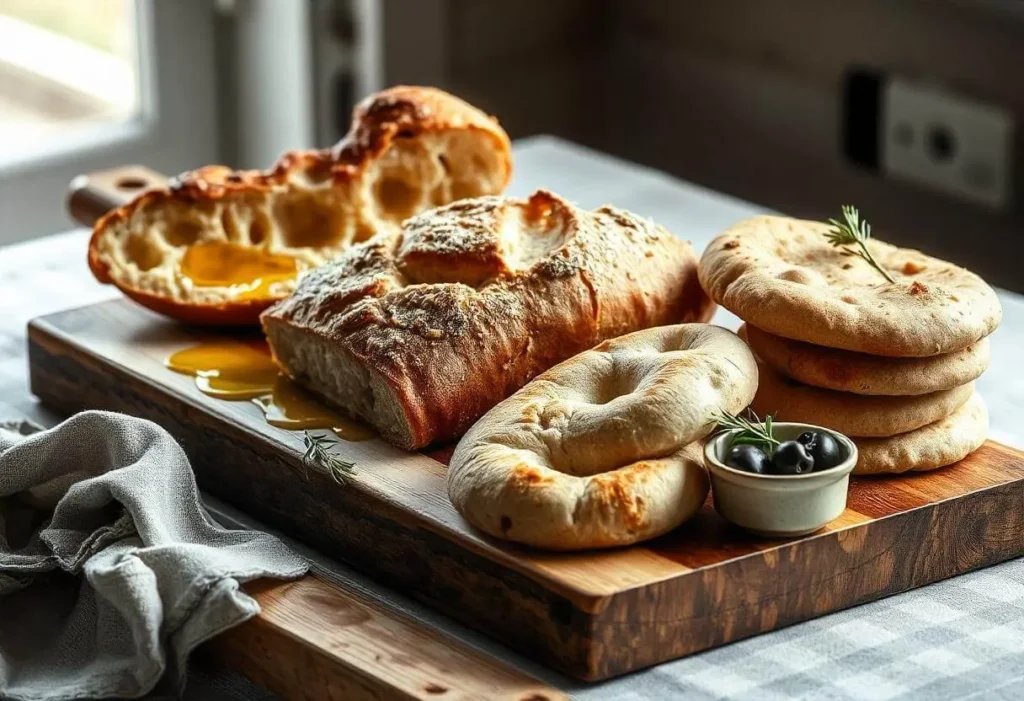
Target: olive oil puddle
{"type": "Point", "coordinates": [250, 270]}
{"type": "Point", "coordinates": [239, 370]}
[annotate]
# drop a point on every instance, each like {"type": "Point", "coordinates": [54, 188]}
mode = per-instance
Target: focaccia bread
{"type": "Point", "coordinates": [409, 149]}
{"type": "Point", "coordinates": [421, 331]}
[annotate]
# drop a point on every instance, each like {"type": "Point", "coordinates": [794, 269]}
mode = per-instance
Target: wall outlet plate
{"type": "Point", "coordinates": [946, 141]}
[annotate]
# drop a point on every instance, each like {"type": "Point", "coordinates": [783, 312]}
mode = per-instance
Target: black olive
{"type": "Point", "coordinates": [823, 447]}
{"type": "Point", "coordinates": [748, 458]}
{"type": "Point", "coordinates": [808, 439]}
{"type": "Point", "coordinates": [791, 458]}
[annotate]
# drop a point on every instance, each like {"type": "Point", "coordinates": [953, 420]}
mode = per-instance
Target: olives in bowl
{"type": "Point", "coordinates": [811, 451]}
{"type": "Point", "coordinates": [822, 447]}
{"type": "Point", "coordinates": [791, 486]}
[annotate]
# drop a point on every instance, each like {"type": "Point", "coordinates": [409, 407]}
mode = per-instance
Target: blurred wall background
{"type": "Point", "coordinates": [744, 96]}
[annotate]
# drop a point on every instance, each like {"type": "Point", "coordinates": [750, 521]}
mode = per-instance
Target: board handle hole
{"type": "Point", "coordinates": [131, 182]}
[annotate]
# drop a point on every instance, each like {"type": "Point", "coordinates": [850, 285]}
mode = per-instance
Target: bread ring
{"type": "Point", "coordinates": [600, 450]}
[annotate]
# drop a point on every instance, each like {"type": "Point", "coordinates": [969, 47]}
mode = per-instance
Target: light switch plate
{"type": "Point", "coordinates": [940, 139]}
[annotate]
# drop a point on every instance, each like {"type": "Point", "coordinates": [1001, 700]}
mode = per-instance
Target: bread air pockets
{"type": "Point", "coordinates": [219, 246]}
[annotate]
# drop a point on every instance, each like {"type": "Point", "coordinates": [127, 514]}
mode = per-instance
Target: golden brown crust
{"type": "Point", "coordinates": [929, 447]}
{"type": "Point", "coordinates": [783, 276]}
{"type": "Point", "coordinates": [860, 373]}
{"type": "Point", "coordinates": [336, 179]}
{"type": "Point", "coordinates": [474, 299]}
{"type": "Point", "coordinates": [405, 111]}
{"type": "Point", "coordinates": [610, 439]}
{"type": "Point", "coordinates": [853, 414]}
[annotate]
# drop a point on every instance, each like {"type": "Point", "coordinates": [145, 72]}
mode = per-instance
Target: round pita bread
{"type": "Point", "coordinates": [860, 373]}
{"type": "Point", "coordinates": [935, 445]}
{"type": "Point", "coordinates": [603, 449]}
{"type": "Point", "coordinates": [852, 414]}
{"type": "Point", "coordinates": [782, 275]}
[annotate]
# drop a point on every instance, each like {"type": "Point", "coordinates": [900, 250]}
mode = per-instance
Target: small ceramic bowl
{"type": "Point", "coordinates": [779, 505]}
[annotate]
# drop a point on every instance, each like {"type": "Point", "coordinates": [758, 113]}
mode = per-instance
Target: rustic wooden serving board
{"type": "Point", "coordinates": [313, 641]}
{"type": "Point", "coordinates": [591, 615]}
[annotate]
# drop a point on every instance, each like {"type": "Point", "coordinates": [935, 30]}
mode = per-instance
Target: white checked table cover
{"type": "Point", "coordinates": [958, 639]}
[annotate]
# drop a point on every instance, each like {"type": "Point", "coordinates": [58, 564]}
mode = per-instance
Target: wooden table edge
{"type": "Point", "coordinates": [355, 648]}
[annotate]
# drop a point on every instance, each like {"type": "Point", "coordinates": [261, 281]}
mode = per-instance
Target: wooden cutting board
{"type": "Point", "coordinates": [313, 640]}
{"type": "Point", "coordinates": [591, 615]}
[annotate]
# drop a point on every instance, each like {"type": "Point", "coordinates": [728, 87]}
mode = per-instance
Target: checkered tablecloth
{"type": "Point", "coordinates": [958, 639]}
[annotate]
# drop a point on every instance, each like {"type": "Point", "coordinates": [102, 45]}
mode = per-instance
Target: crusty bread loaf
{"type": "Point", "coordinates": [409, 149]}
{"type": "Point", "coordinates": [422, 331]}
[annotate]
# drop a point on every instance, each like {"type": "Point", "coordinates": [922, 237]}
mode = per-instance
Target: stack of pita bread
{"type": "Point", "coordinates": [890, 364]}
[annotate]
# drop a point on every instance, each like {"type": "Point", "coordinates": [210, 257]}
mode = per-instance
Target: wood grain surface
{"type": "Point", "coordinates": [91, 196]}
{"type": "Point", "coordinates": [591, 615]}
{"type": "Point", "coordinates": [315, 641]}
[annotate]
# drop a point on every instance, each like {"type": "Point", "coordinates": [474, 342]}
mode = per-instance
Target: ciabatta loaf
{"type": "Point", "coordinates": [421, 331]}
{"type": "Point", "coordinates": [409, 149]}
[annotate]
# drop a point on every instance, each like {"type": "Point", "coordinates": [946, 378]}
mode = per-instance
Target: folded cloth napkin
{"type": "Point", "coordinates": [111, 571]}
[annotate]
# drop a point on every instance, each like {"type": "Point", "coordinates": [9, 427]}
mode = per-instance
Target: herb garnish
{"type": "Point", "coordinates": [854, 231]}
{"type": "Point", "coordinates": [318, 455]}
{"type": "Point", "coordinates": [754, 432]}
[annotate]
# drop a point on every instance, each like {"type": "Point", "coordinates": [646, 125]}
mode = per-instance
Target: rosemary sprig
{"type": "Point", "coordinates": [318, 455]}
{"type": "Point", "coordinates": [751, 432]}
{"type": "Point", "coordinates": [854, 231]}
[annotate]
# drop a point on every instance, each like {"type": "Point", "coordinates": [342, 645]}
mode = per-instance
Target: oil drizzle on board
{"type": "Point", "coordinates": [250, 269]}
{"type": "Point", "coordinates": [243, 370]}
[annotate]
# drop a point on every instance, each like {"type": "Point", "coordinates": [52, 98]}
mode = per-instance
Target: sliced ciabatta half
{"type": "Point", "coordinates": [218, 246]}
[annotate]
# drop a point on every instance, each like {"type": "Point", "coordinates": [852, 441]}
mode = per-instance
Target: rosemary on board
{"type": "Point", "coordinates": [854, 231]}
{"type": "Point", "coordinates": [751, 432]}
{"type": "Point", "coordinates": [318, 455]}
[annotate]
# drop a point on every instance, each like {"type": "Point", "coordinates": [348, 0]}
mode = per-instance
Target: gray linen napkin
{"type": "Point", "coordinates": [111, 571]}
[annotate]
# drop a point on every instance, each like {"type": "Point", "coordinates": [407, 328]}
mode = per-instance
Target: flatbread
{"type": "Point", "coordinates": [604, 449]}
{"type": "Point", "coordinates": [860, 373]}
{"type": "Point", "coordinates": [935, 445]}
{"type": "Point", "coordinates": [784, 277]}
{"type": "Point", "coordinates": [852, 414]}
